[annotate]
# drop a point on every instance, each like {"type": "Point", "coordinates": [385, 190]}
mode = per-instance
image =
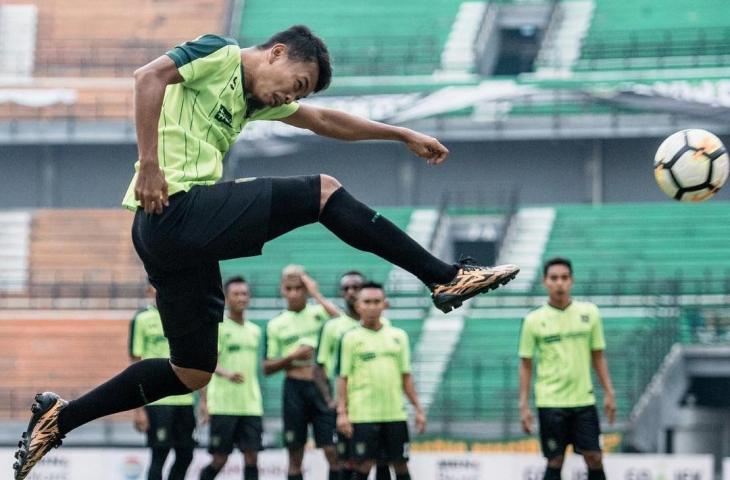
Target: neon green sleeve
{"type": "Point", "coordinates": [344, 366]}
{"type": "Point", "coordinates": [527, 339]}
{"type": "Point", "coordinates": [598, 341]}
{"type": "Point", "coordinates": [203, 58]}
{"type": "Point", "coordinates": [405, 354]}
{"type": "Point", "coordinates": [326, 345]}
{"type": "Point", "coordinates": [136, 339]}
{"type": "Point", "coordinates": [272, 343]}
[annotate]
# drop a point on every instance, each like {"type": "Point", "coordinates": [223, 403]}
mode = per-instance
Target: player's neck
{"type": "Point", "coordinates": [237, 317]}
{"type": "Point", "coordinates": [560, 303]}
{"type": "Point", "coordinates": [250, 59]}
{"type": "Point", "coordinates": [375, 326]}
{"type": "Point", "coordinates": [352, 313]}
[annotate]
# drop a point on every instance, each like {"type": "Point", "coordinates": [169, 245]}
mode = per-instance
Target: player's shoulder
{"type": "Point", "coordinates": [318, 312]}
{"type": "Point", "coordinates": [586, 307]}
{"type": "Point", "coordinates": [535, 314]}
{"type": "Point", "coordinates": [212, 41]}
{"type": "Point", "coordinates": [352, 334]}
{"type": "Point", "coordinates": [395, 332]}
{"type": "Point", "coordinates": [251, 326]}
{"type": "Point", "coordinates": [278, 321]}
{"type": "Point", "coordinates": [200, 47]}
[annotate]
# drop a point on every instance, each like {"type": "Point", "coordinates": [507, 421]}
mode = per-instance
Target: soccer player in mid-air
{"type": "Point", "coordinates": [190, 106]}
{"type": "Point", "coordinates": [168, 422]}
{"type": "Point", "coordinates": [374, 372]}
{"type": "Point", "coordinates": [232, 400]}
{"type": "Point", "coordinates": [566, 337]}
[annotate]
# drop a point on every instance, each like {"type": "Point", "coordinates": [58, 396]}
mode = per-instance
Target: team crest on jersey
{"type": "Point", "coordinates": [584, 318]}
{"type": "Point", "coordinates": [224, 116]}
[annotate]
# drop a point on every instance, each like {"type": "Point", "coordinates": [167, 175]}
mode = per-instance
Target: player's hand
{"type": "Point", "coordinates": [310, 284]}
{"type": "Point", "coordinates": [235, 377]}
{"type": "Point", "coordinates": [304, 352]}
{"type": "Point", "coordinates": [426, 147]}
{"type": "Point", "coordinates": [141, 422]}
{"type": "Point", "coordinates": [344, 426]}
{"type": "Point", "coordinates": [151, 187]}
{"type": "Point", "coordinates": [526, 419]}
{"type": "Point", "coordinates": [203, 414]}
{"type": "Point", "coordinates": [609, 405]}
{"type": "Point", "coordinates": [420, 421]}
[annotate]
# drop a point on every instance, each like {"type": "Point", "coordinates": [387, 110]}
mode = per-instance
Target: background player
{"type": "Point", "coordinates": [233, 396]}
{"type": "Point", "coordinates": [374, 373]}
{"type": "Point", "coordinates": [329, 342]}
{"type": "Point", "coordinates": [567, 337]}
{"type": "Point", "coordinates": [168, 422]}
{"type": "Point", "coordinates": [291, 340]}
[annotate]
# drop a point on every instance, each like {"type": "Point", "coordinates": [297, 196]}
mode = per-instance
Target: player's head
{"type": "Point", "coordinates": [350, 284]}
{"type": "Point", "coordinates": [371, 302]}
{"type": "Point", "coordinates": [557, 276]}
{"type": "Point", "coordinates": [292, 287]}
{"type": "Point", "coordinates": [238, 295]}
{"type": "Point", "coordinates": [296, 64]}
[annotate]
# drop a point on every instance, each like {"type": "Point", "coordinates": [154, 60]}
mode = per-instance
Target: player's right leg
{"type": "Point", "coordinates": [554, 437]}
{"type": "Point", "coordinates": [250, 441]}
{"type": "Point", "coordinates": [295, 421]}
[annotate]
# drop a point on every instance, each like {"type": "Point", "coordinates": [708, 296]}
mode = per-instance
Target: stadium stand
{"type": "Point", "coordinates": [364, 38]}
{"type": "Point", "coordinates": [643, 248]}
{"type": "Point", "coordinates": [14, 237]}
{"type": "Point", "coordinates": [639, 34]}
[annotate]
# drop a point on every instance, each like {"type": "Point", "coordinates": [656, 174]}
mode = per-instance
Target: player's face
{"type": "Point", "coordinates": [370, 304]}
{"type": "Point", "coordinates": [558, 281]}
{"type": "Point", "coordinates": [349, 288]}
{"type": "Point", "coordinates": [294, 292]}
{"type": "Point", "coordinates": [238, 297]}
{"type": "Point", "coordinates": [283, 80]}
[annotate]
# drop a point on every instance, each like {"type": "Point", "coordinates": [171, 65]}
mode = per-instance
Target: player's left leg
{"type": "Point", "coordinates": [251, 466]}
{"type": "Point", "coordinates": [587, 440]}
{"type": "Point", "coordinates": [182, 441]}
{"type": "Point", "coordinates": [157, 462]}
{"type": "Point", "coordinates": [395, 442]}
{"type": "Point", "coordinates": [251, 442]}
{"type": "Point", "coordinates": [324, 427]}
{"type": "Point", "coordinates": [401, 470]}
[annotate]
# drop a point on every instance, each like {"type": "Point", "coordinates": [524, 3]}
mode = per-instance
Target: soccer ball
{"type": "Point", "coordinates": [691, 165]}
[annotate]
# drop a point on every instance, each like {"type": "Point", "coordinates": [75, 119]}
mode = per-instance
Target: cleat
{"type": "Point", "coordinates": [42, 434]}
{"type": "Point", "coordinates": [470, 280]}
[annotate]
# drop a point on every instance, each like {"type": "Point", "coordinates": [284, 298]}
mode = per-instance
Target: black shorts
{"type": "Point", "coordinates": [170, 426]}
{"type": "Point", "coordinates": [577, 426]}
{"type": "Point", "coordinates": [380, 441]}
{"type": "Point", "coordinates": [244, 432]}
{"type": "Point", "coordinates": [303, 404]}
{"type": "Point", "coordinates": [181, 248]}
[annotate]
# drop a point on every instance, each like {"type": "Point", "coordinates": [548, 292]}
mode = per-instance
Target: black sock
{"type": "Point", "coordinates": [295, 477]}
{"type": "Point", "coordinates": [183, 459]}
{"type": "Point", "coordinates": [141, 383]}
{"type": "Point", "coordinates": [403, 476]}
{"type": "Point", "coordinates": [361, 227]}
{"type": "Point", "coordinates": [159, 455]}
{"type": "Point", "coordinates": [208, 473]}
{"type": "Point", "coordinates": [251, 472]}
{"type": "Point", "coordinates": [382, 472]}
{"type": "Point", "coordinates": [596, 474]}
{"type": "Point", "coordinates": [552, 473]}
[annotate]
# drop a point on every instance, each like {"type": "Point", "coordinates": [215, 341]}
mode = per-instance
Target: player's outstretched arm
{"type": "Point", "coordinates": [150, 82]}
{"type": "Point", "coordinates": [343, 126]}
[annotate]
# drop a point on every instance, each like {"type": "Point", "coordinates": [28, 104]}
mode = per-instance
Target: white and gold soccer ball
{"type": "Point", "coordinates": [691, 165]}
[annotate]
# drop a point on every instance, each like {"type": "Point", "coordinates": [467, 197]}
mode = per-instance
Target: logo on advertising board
{"type": "Point", "coordinates": [457, 469]}
{"type": "Point", "coordinates": [132, 468]}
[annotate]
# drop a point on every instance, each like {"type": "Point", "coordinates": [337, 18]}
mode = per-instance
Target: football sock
{"type": "Point", "coordinates": [183, 459]}
{"type": "Point", "coordinates": [382, 472]}
{"type": "Point", "coordinates": [596, 474]}
{"type": "Point", "coordinates": [140, 383]}
{"type": "Point", "coordinates": [208, 473]}
{"type": "Point", "coordinates": [159, 455]}
{"type": "Point", "coordinates": [552, 473]}
{"type": "Point", "coordinates": [365, 229]}
{"type": "Point", "coordinates": [251, 472]}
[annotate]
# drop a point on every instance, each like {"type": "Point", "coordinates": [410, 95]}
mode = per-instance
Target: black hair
{"type": "Point", "coordinates": [371, 284]}
{"type": "Point", "coordinates": [353, 272]}
{"type": "Point", "coordinates": [305, 46]}
{"type": "Point", "coordinates": [232, 280]}
{"type": "Point", "coordinates": [557, 261]}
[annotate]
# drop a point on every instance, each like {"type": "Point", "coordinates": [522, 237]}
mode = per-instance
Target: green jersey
{"type": "Point", "coordinates": [238, 350]}
{"type": "Point", "coordinates": [147, 340]}
{"type": "Point", "coordinates": [202, 116]}
{"type": "Point", "coordinates": [290, 330]}
{"type": "Point", "coordinates": [329, 341]}
{"type": "Point", "coordinates": [562, 341]}
{"type": "Point", "coordinates": [373, 362]}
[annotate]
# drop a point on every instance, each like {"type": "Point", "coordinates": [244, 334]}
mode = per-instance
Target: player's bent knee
{"type": "Point", "coordinates": [594, 460]}
{"type": "Point", "coordinates": [401, 468]}
{"type": "Point", "coordinates": [328, 185]}
{"type": "Point", "coordinates": [192, 378]}
{"type": "Point", "coordinates": [556, 462]}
